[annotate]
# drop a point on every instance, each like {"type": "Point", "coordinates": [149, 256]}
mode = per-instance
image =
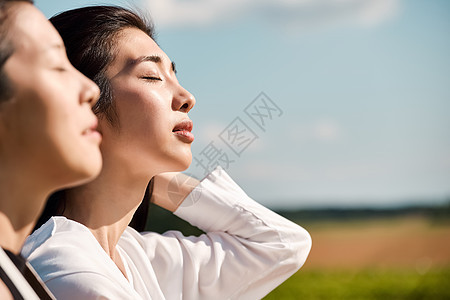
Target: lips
{"type": "Point", "coordinates": [92, 133]}
{"type": "Point", "coordinates": [185, 125]}
{"type": "Point", "coordinates": [183, 131]}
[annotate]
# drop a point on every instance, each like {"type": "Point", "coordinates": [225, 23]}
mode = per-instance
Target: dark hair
{"type": "Point", "coordinates": [6, 46]}
{"type": "Point", "coordinates": [90, 36]}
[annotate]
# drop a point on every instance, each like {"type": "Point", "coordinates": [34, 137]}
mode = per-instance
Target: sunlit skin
{"type": "Point", "coordinates": [150, 103]}
{"type": "Point", "coordinates": [48, 137]}
{"type": "Point", "coordinates": [50, 111]}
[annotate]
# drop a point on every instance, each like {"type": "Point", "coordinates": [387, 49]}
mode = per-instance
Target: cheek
{"type": "Point", "coordinates": [64, 126]}
{"type": "Point", "coordinates": [45, 111]}
{"type": "Point", "coordinates": [142, 112]}
{"type": "Point", "coordinates": [63, 110]}
{"type": "Point", "coordinates": [65, 116]}
{"type": "Point", "coordinates": [59, 104]}
{"type": "Point", "coordinates": [42, 114]}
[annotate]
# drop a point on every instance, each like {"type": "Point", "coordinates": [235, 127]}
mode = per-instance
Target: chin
{"type": "Point", "coordinates": [87, 171]}
{"type": "Point", "coordinates": [184, 166]}
{"type": "Point", "coordinates": [93, 166]}
{"type": "Point", "coordinates": [181, 163]}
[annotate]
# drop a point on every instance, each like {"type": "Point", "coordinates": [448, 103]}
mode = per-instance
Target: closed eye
{"type": "Point", "coordinates": [60, 69]}
{"type": "Point", "coordinates": [152, 78]}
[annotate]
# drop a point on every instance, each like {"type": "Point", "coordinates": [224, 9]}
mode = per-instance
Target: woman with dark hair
{"type": "Point", "coordinates": [48, 139]}
{"type": "Point", "coordinates": [87, 251]}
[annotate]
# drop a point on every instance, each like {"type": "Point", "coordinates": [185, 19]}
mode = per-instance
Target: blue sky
{"type": "Point", "coordinates": [363, 88]}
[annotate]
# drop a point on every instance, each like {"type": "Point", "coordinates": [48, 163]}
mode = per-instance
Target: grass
{"type": "Point", "coordinates": [365, 284]}
{"type": "Point", "coordinates": [403, 257]}
{"type": "Point", "coordinates": [387, 257]}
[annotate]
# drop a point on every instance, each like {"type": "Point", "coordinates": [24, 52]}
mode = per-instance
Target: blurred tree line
{"type": "Point", "coordinates": [161, 220]}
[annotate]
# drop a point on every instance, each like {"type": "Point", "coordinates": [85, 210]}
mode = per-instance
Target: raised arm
{"type": "Point", "coordinates": [171, 188]}
{"type": "Point", "coordinates": [248, 250]}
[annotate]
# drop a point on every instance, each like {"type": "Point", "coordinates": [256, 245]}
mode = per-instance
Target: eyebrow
{"type": "Point", "coordinates": [152, 58]}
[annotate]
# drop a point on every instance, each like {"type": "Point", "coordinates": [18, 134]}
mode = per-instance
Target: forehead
{"type": "Point", "coordinates": [132, 41]}
{"type": "Point", "coordinates": [30, 31]}
{"type": "Point", "coordinates": [132, 44]}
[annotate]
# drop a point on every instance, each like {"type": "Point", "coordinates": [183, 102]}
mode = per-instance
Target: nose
{"type": "Point", "coordinates": [90, 92]}
{"type": "Point", "coordinates": [183, 100]}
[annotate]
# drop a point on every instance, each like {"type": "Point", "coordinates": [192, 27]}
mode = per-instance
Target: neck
{"type": "Point", "coordinates": [107, 204]}
{"type": "Point", "coordinates": [13, 236]}
{"type": "Point", "coordinates": [20, 206]}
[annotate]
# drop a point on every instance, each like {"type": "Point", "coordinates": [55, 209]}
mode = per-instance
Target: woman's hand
{"type": "Point", "coordinates": [171, 188]}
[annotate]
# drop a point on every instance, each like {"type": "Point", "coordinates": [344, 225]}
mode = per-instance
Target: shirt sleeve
{"type": "Point", "coordinates": [247, 250]}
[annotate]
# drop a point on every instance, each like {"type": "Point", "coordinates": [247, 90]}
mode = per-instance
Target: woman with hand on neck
{"type": "Point", "coordinates": [87, 251]}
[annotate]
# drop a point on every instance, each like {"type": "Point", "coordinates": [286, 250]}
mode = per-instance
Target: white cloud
{"type": "Point", "coordinates": [210, 131]}
{"type": "Point", "coordinates": [263, 171]}
{"type": "Point", "coordinates": [290, 14]}
{"type": "Point", "coordinates": [322, 130]}
{"type": "Point", "coordinates": [326, 130]}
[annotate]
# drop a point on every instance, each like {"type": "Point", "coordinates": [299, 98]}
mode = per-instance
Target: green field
{"type": "Point", "coordinates": [398, 254]}
{"type": "Point", "coordinates": [405, 257]}
{"type": "Point", "coordinates": [365, 284]}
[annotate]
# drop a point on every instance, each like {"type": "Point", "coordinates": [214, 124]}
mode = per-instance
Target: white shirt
{"type": "Point", "coordinates": [246, 252]}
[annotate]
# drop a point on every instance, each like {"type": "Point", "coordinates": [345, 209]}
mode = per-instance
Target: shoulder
{"type": "Point", "coordinates": [57, 231]}
{"type": "Point", "coordinates": [61, 247]}
{"type": "Point", "coordinates": [72, 263]}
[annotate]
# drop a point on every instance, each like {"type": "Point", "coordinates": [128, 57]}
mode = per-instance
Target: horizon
{"type": "Point", "coordinates": [357, 92]}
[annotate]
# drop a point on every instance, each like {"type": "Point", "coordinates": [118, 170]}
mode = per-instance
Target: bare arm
{"type": "Point", "coordinates": [171, 188]}
{"type": "Point", "coordinates": [246, 251]}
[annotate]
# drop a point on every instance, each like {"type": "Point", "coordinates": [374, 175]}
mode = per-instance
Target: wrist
{"type": "Point", "coordinates": [171, 188]}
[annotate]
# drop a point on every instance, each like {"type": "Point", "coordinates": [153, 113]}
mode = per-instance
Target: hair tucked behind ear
{"type": "Point", "coordinates": [90, 36]}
